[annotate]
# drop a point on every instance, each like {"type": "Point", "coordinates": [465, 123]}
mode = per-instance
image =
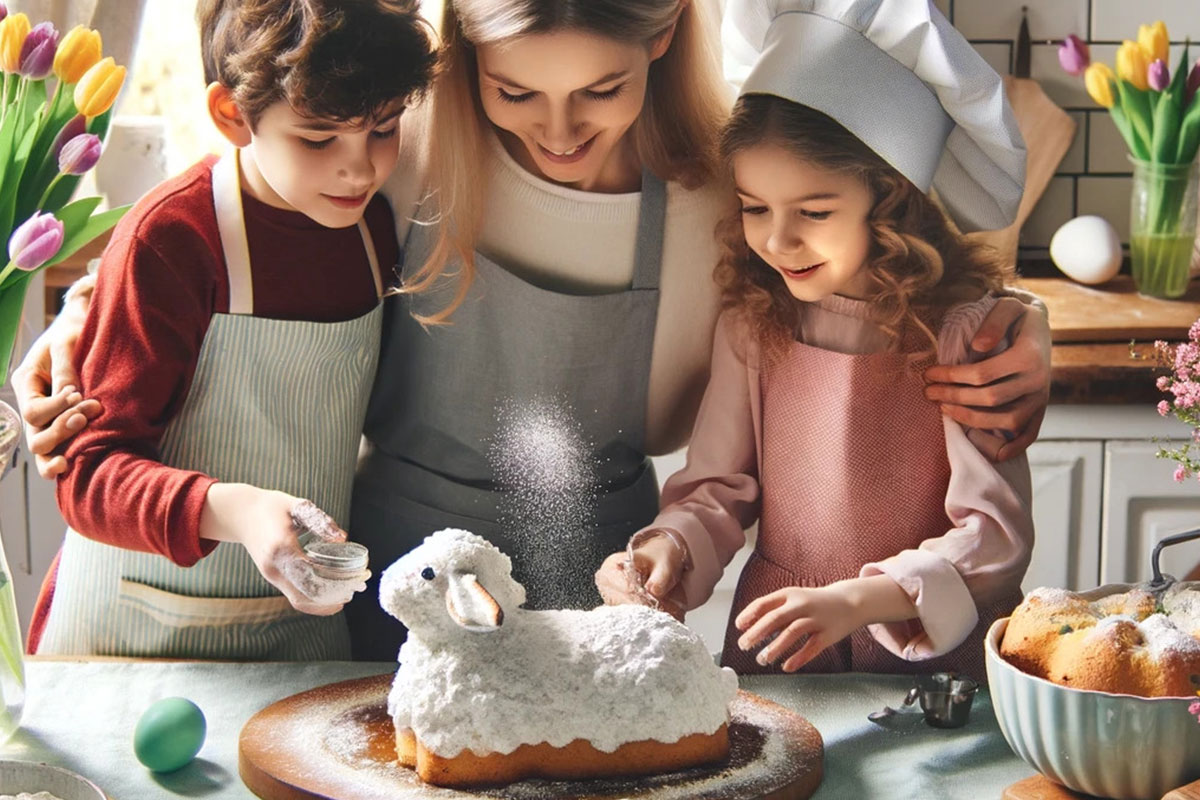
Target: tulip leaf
{"type": "Point", "coordinates": [12, 300]}
{"type": "Point", "coordinates": [1166, 128]}
{"type": "Point", "coordinates": [76, 214]}
{"type": "Point", "coordinates": [74, 239]}
{"type": "Point", "coordinates": [1179, 79]}
{"type": "Point", "coordinates": [1189, 133]}
{"type": "Point", "coordinates": [1135, 103]}
{"type": "Point", "coordinates": [1131, 140]}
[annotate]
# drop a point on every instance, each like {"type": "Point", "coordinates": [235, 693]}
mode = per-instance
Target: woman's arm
{"type": "Point", "coordinates": [1007, 392]}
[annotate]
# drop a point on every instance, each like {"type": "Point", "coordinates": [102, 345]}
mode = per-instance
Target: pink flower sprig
{"type": "Point", "coordinates": [1194, 708]}
{"type": "Point", "coordinates": [1182, 383]}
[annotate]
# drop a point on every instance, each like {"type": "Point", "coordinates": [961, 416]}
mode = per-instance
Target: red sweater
{"type": "Point", "coordinates": [161, 280]}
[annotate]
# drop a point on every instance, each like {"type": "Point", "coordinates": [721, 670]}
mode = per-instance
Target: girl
{"type": "Point", "coordinates": [886, 539]}
{"type": "Point", "coordinates": [574, 183]}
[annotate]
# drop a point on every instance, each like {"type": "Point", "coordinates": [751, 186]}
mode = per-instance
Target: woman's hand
{"type": "Point", "coordinates": [1006, 392]}
{"type": "Point", "coordinates": [45, 385]}
{"type": "Point", "coordinates": [265, 523]}
{"type": "Point", "coordinates": [815, 618]}
{"type": "Point", "coordinates": [651, 578]}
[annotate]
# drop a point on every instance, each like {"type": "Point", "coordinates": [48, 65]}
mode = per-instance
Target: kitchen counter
{"type": "Point", "coordinates": [1103, 338]}
{"type": "Point", "coordinates": [81, 715]}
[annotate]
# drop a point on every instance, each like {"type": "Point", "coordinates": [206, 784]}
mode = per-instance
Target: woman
{"type": "Point", "coordinates": [568, 243]}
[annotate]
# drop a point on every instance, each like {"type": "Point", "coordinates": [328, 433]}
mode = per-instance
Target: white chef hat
{"type": "Point", "coordinates": [898, 76]}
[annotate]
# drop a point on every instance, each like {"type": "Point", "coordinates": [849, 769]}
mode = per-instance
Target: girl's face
{"type": "Point", "coordinates": [808, 223]}
{"type": "Point", "coordinates": [564, 101]}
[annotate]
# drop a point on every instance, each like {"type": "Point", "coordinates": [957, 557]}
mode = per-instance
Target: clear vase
{"type": "Point", "coordinates": [1162, 231]}
{"type": "Point", "coordinates": [12, 652]}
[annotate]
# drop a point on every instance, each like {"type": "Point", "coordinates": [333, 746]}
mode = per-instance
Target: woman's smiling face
{"type": "Point", "coordinates": [564, 101]}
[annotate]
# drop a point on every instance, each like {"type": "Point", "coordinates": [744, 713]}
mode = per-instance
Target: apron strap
{"type": "Point", "coordinates": [372, 257]}
{"type": "Point", "coordinates": [227, 199]}
{"type": "Point", "coordinates": [652, 216]}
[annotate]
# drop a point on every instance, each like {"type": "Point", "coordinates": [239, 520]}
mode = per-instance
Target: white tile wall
{"type": "Point", "coordinates": [1114, 20]}
{"type": "Point", "coordinates": [1093, 177]}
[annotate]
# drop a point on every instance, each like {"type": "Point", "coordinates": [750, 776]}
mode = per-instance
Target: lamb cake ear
{"type": "Point", "coordinates": [471, 605]}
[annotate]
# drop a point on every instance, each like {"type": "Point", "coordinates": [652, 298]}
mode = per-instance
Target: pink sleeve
{"type": "Point", "coordinates": [715, 497]}
{"type": "Point", "coordinates": [984, 556]}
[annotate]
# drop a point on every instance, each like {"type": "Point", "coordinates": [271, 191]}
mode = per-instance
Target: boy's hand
{"type": "Point", "coordinates": [822, 616]}
{"type": "Point", "coordinates": [262, 521]}
{"type": "Point", "coordinates": [651, 578]}
{"type": "Point", "coordinates": [45, 381]}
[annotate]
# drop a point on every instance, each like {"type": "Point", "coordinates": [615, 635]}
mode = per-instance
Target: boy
{"type": "Point", "coordinates": [232, 342]}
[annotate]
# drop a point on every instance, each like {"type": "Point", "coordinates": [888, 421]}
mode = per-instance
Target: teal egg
{"type": "Point", "coordinates": [169, 734]}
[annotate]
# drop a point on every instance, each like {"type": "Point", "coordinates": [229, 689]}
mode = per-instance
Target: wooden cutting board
{"type": "Point", "coordinates": [1042, 788]}
{"type": "Point", "coordinates": [1113, 312]}
{"type": "Point", "coordinates": [336, 742]}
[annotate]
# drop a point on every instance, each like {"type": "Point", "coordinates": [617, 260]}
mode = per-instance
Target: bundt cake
{"type": "Point", "coordinates": [1127, 643]}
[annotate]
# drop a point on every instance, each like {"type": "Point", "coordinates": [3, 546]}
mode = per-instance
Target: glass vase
{"type": "Point", "coordinates": [12, 652]}
{"type": "Point", "coordinates": [1162, 231]}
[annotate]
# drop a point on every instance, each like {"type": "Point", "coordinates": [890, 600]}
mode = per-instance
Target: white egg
{"type": "Point", "coordinates": [1087, 249]}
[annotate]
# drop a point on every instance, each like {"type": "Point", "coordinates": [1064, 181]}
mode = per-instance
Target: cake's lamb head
{"type": "Point", "coordinates": [454, 580]}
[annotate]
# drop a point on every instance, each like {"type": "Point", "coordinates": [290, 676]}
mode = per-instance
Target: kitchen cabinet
{"type": "Point", "coordinates": [1101, 499]}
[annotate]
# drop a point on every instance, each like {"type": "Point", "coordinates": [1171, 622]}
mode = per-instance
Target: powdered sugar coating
{"type": "Point", "coordinates": [613, 675]}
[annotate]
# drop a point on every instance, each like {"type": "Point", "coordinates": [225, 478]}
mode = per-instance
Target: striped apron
{"type": "Point", "coordinates": [278, 404]}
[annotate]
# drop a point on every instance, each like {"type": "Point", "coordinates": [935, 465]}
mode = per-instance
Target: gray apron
{"type": "Point", "coordinates": [274, 403]}
{"type": "Point", "coordinates": [447, 398]}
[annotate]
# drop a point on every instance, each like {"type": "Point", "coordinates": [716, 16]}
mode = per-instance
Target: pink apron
{"type": "Point", "coordinates": [854, 470]}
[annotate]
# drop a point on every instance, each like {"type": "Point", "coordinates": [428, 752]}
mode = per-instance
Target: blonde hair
{"type": "Point", "coordinates": [919, 264]}
{"type": "Point", "coordinates": [675, 135]}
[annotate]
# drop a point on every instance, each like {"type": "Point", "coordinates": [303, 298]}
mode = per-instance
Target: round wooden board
{"type": "Point", "coordinates": [336, 742]}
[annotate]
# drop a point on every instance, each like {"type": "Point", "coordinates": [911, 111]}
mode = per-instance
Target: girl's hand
{"type": "Point", "coordinates": [45, 382]}
{"type": "Point", "coordinates": [818, 617]}
{"type": "Point", "coordinates": [824, 615]}
{"type": "Point", "coordinates": [652, 577]}
{"type": "Point", "coordinates": [263, 522]}
{"type": "Point", "coordinates": [1007, 392]}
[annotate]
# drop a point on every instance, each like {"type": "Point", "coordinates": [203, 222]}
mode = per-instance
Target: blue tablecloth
{"type": "Point", "coordinates": [81, 715]}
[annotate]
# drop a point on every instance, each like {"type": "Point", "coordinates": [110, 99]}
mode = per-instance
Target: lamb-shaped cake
{"type": "Point", "coordinates": [490, 693]}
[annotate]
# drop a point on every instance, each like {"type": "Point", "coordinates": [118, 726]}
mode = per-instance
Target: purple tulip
{"type": "Point", "coordinates": [76, 126]}
{"type": "Point", "coordinates": [37, 53]}
{"type": "Point", "coordinates": [1159, 75]}
{"type": "Point", "coordinates": [1193, 83]}
{"type": "Point", "coordinates": [79, 154]}
{"type": "Point", "coordinates": [3, 11]}
{"type": "Point", "coordinates": [35, 242]}
{"type": "Point", "coordinates": [1073, 54]}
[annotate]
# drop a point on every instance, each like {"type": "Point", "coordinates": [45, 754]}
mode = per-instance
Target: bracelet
{"type": "Point", "coordinates": [649, 533]}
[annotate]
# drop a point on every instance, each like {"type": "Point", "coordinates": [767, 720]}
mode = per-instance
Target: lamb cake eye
{"type": "Point", "coordinates": [428, 573]}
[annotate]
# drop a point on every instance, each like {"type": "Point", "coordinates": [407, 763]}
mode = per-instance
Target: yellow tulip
{"type": "Point", "coordinates": [97, 89]}
{"type": "Point", "coordinates": [78, 51]}
{"type": "Point", "coordinates": [1099, 78]}
{"type": "Point", "coordinates": [13, 31]}
{"type": "Point", "coordinates": [1154, 41]}
{"type": "Point", "coordinates": [1133, 65]}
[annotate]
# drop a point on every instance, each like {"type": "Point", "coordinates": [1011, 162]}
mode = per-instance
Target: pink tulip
{"type": "Point", "coordinates": [76, 126]}
{"type": "Point", "coordinates": [1073, 54]}
{"type": "Point", "coordinates": [79, 154]}
{"type": "Point", "coordinates": [1159, 75]}
{"type": "Point", "coordinates": [3, 11]}
{"type": "Point", "coordinates": [37, 52]}
{"type": "Point", "coordinates": [35, 242]}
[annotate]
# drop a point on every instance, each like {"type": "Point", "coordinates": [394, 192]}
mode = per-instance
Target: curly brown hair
{"type": "Point", "coordinates": [338, 60]}
{"type": "Point", "coordinates": [919, 264]}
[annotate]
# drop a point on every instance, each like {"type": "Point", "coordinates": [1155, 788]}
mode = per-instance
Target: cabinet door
{"type": "Point", "coordinates": [1143, 504]}
{"type": "Point", "coordinates": [1066, 514]}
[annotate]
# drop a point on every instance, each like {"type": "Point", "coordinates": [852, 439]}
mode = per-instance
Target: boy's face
{"type": "Point", "coordinates": [809, 224]}
{"type": "Point", "coordinates": [563, 102]}
{"type": "Point", "coordinates": [326, 170]}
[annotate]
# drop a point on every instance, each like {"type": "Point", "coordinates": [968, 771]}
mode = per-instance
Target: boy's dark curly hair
{"type": "Point", "coordinates": [339, 60]}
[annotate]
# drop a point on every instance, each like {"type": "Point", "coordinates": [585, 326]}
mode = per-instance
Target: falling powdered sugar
{"type": "Point", "coordinates": [545, 469]}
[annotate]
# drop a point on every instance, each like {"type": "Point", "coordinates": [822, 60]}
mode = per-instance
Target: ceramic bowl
{"type": "Point", "coordinates": [1108, 745]}
{"type": "Point", "coordinates": [30, 777]}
